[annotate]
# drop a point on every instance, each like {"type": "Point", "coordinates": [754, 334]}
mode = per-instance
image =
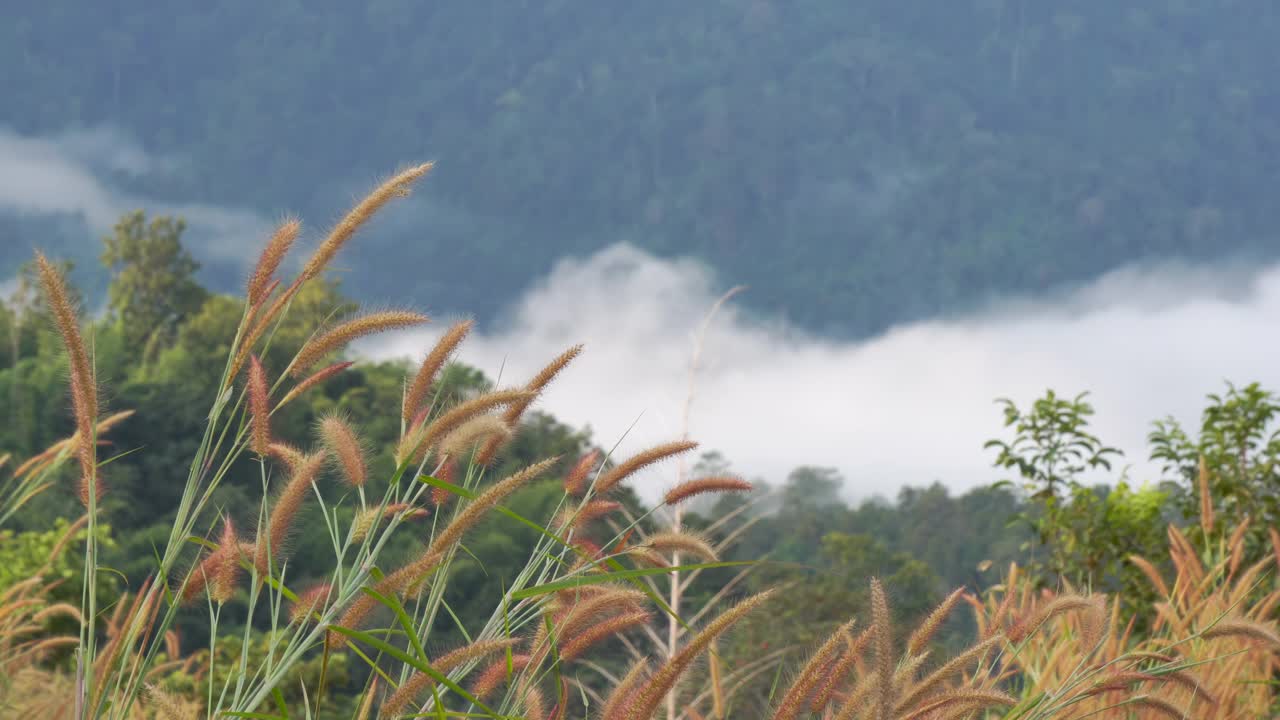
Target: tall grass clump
{"type": "Point", "coordinates": [576, 591]}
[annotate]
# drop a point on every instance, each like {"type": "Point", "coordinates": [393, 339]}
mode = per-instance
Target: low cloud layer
{"type": "Point", "coordinates": [909, 407]}
{"type": "Point", "coordinates": [79, 175]}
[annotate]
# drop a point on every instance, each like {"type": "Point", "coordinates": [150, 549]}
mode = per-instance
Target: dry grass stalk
{"type": "Point", "coordinates": [496, 674]}
{"type": "Point", "coordinates": [343, 333]}
{"type": "Point", "coordinates": [625, 692]}
{"type": "Point", "coordinates": [511, 416]}
{"type": "Point", "coordinates": [394, 705]}
{"type": "Point", "coordinates": [812, 673]}
{"type": "Point", "coordinates": [923, 634]}
{"type": "Point", "coordinates": [574, 645]}
{"type": "Point", "coordinates": [340, 439]}
{"type": "Point", "coordinates": [409, 576]}
{"type": "Point", "coordinates": [415, 395]}
{"type": "Point", "coordinates": [366, 520]}
{"type": "Point", "coordinates": [700, 486]}
{"type": "Point", "coordinates": [835, 675]}
{"type": "Point", "coordinates": [84, 388]}
{"type": "Point", "coordinates": [396, 186]}
{"type": "Point", "coordinates": [665, 677]}
{"type": "Point", "coordinates": [479, 429]}
{"type": "Point", "coordinates": [637, 462]}
{"type": "Point", "coordinates": [286, 453]}
{"type": "Point", "coordinates": [587, 513]}
{"type": "Point", "coordinates": [1206, 501]}
{"type": "Point", "coordinates": [310, 602]}
{"type": "Point", "coordinates": [426, 435]}
{"type": "Point", "coordinates": [575, 482]}
{"type": "Point", "coordinates": [270, 545]}
{"type": "Point", "coordinates": [319, 377]}
{"type": "Point", "coordinates": [265, 270]}
{"type": "Point", "coordinates": [884, 649]}
{"type": "Point", "coordinates": [685, 542]}
{"type": "Point", "coordinates": [259, 408]}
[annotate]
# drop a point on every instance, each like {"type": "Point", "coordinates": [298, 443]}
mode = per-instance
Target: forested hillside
{"type": "Point", "coordinates": [857, 163]}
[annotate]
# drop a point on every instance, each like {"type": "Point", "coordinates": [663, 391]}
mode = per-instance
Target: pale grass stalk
{"type": "Point", "coordinates": [343, 444]}
{"type": "Point", "coordinates": [259, 407]}
{"type": "Point", "coordinates": [511, 416]}
{"type": "Point", "coordinates": [345, 332]}
{"type": "Point", "coordinates": [396, 186]}
{"type": "Point", "coordinates": [319, 377]}
{"type": "Point", "coordinates": [415, 394]}
{"type": "Point", "coordinates": [264, 271]}
{"type": "Point", "coordinates": [665, 677]}
{"type": "Point", "coordinates": [810, 674]}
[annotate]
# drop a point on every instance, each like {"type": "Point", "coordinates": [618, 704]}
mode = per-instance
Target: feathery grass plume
{"type": "Point", "coordinates": [929, 627]}
{"type": "Point", "coordinates": [630, 466]}
{"type": "Point", "coordinates": [486, 501]}
{"type": "Point", "coordinates": [416, 444]}
{"type": "Point", "coordinates": [84, 389]}
{"type": "Point", "coordinates": [1119, 680]}
{"type": "Point", "coordinates": [587, 513]}
{"type": "Point", "coordinates": [1164, 707]}
{"type": "Point", "coordinates": [441, 495]}
{"type": "Point", "coordinates": [318, 377]}
{"type": "Point", "coordinates": [407, 577]}
{"type": "Point", "coordinates": [573, 647]}
{"type": "Point", "coordinates": [366, 520]}
{"type": "Point", "coordinates": [415, 394]}
{"type": "Point", "coordinates": [511, 416]}
{"type": "Point", "coordinates": [259, 322]}
{"type": "Point", "coordinates": [685, 542]}
{"type": "Point", "coordinates": [259, 407]}
{"type": "Point", "coordinates": [968, 699]}
{"type": "Point", "coordinates": [624, 693]}
{"type": "Point", "coordinates": [481, 428]}
{"type": "Point", "coordinates": [955, 666]}
{"type": "Point", "coordinates": [811, 674]}
{"type": "Point", "coordinates": [1152, 574]}
{"type": "Point", "coordinates": [1239, 628]}
{"type": "Point", "coordinates": [216, 572]}
{"type": "Point", "coordinates": [534, 706]}
{"type": "Point", "coordinates": [1235, 545]}
{"type": "Point", "coordinates": [648, 556]}
{"type": "Point", "coordinates": [839, 670]}
{"type": "Point", "coordinates": [692, 488]}
{"type": "Point", "coordinates": [854, 703]}
{"type": "Point", "coordinates": [1191, 683]}
{"type": "Point", "coordinates": [226, 570]}
{"type": "Point", "coordinates": [310, 602]}
{"type": "Point", "coordinates": [269, 261]}
{"type": "Point", "coordinates": [1025, 627]}
{"type": "Point", "coordinates": [168, 707]}
{"type": "Point", "coordinates": [575, 483]}
{"type": "Point", "coordinates": [496, 674]}
{"type": "Point", "coordinates": [394, 705]}
{"type": "Point", "coordinates": [396, 186]}
{"type": "Point", "coordinates": [340, 439]}
{"type": "Point", "coordinates": [1206, 500]}
{"type": "Point", "coordinates": [665, 677]}
{"type": "Point", "coordinates": [270, 545]}
{"type": "Point", "coordinates": [884, 649]}
{"type": "Point", "coordinates": [577, 611]}
{"type": "Point", "coordinates": [343, 333]}
{"type": "Point", "coordinates": [66, 610]}
{"type": "Point", "coordinates": [286, 453]}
